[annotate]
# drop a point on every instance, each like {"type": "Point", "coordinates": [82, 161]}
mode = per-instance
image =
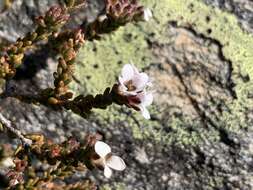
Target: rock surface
{"type": "Point", "coordinates": [242, 9]}
{"type": "Point", "coordinates": [200, 135]}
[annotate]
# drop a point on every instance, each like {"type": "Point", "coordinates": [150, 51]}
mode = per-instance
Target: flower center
{"type": "Point", "coordinates": [130, 86]}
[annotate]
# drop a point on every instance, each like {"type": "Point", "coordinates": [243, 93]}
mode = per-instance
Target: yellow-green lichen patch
{"type": "Point", "coordinates": [237, 47]}
{"type": "Point", "coordinates": [100, 63]}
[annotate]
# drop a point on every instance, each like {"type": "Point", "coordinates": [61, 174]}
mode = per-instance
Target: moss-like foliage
{"type": "Point", "coordinates": [100, 63]}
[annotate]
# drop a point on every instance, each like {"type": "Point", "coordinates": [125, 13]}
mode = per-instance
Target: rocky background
{"type": "Point", "coordinates": [199, 54]}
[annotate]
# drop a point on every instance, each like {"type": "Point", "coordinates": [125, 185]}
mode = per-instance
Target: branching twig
{"type": "Point", "coordinates": [8, 125]}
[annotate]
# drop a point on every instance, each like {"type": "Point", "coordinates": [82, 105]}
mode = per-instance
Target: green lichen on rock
{"type": "Point", "coordinates": [237, 47]}
{"type": "Point", "coordinates": [104, 59]}
{"type": "Point", "coordinates": [100, 63]}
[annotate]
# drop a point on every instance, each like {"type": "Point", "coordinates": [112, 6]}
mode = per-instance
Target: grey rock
{"type": "Point", "coordinates": [243, 9]}
{"type": "Point", "coordinates": [195, 66]}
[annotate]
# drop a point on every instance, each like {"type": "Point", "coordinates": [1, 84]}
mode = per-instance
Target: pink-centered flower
{"type": "Point", "coordinates": [132, 81]}
{"type": "Point", "coordinates": [108, 160]}
{"type": "Point", "coordinates": [133, 85]}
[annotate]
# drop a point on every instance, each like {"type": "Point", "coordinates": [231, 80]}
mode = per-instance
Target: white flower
{"type": "Point", "coordinates": [132, 85]}
{"type": "Point", "coordinates": [132, 81]}
{"type": "Point", "coordinates": [140, 102]}
{"type": "Point", "coordinates": [109, 160]}
{"type": "Point", "coordinates": [147, 14]}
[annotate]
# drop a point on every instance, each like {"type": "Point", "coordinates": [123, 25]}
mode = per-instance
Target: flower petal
{"type": "Point", "coordinates": [127, 72]}
{"type": "Point", "coordinates": [102, 149]}
{"type": "Point", "coordinates": [116, 163]}
{"type": "Point", "coordinates": [122, 87]}
{"type": "Point", "coordinates": [140, 81]}
{"type": "Point", "coordinates": [121, 81]}
{"type": "Point", "coordinates": [147, 14]}
{"type": "Point", "coordinates": [145, 112]}
{"type": "Point", "coordinates": [148, 99]}
{"type": "Point", "coordinates": [134, 68]}
{"type": "Point", "coordinates": [130, 93]}
{"type": "Point", "coordinates": [107, 172]}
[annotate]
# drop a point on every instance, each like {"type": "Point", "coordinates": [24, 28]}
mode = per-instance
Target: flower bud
{"type": "Point", "coordinates": [28, 43]}
{"type": "Point", "coordinates": [62, 63]}
{"type": "Point", "coordinates": [20, 164]}
{"type": "Point", "coordinates": [38, 139]}
{"type": "Point", "coordinates": [55, 151]}
{"type": "Point", "coordinates": [53, 101]}
{"type": "Point", "coordinates": [72, 144]}
{"type": "Point", "coordinates": [65, 77]}
{"type": "Point", "coordinates": [70, 54]}
{"type": "Point", "coordinates": [56, 15]}
{"type": "Point", "coordinates": [40, 21]}
{"type": "Point", "coordinates": [19, 44]}
{"type": "Point", "coordinates": [33, 36]}
{"type": "Point", "coordinates": [123, 11]}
